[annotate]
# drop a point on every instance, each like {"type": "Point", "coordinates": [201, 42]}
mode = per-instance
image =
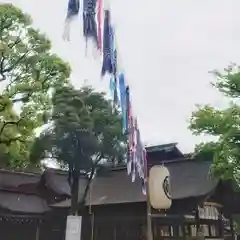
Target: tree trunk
{"type": "Point", "coordinates": [74, 193]}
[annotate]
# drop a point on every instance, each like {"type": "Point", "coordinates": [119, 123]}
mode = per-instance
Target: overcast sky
{"type": "Point", "coordinates": [166, 50]}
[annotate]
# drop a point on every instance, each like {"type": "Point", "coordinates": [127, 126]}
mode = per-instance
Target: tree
{"type": "Point", "coordinates": [223, 124]}
{"type": "Point", "coordinates": [29, 72]}
{"type": "Point", "coordinates": [85, 134]}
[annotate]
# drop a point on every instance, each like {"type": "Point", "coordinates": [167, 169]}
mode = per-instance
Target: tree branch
{"type": "Point", "coordinates": [16, 42]}
{"type": "Point", "coordinates": [3, 106]}
{"type": "Point", "coordinates": [7, 26]}
{"type": "Point", "coordinates": [13, 81]}
{"type": "Point", "coordinates": [29, 94]}
{"type": "Point", "coordinates": [9, 69]}
{"type": "Point", "coordinates": [23, 99]}
{"type": "Point", "coordinates": [9, 141]}
{"type": "Point", "coordinates": [86, 190]}
{"type": "Point", "coordinates": [3, 58]}
{"type": "Point", "coordinates": [8, 123]}
{"type": "Point", "coordinates": [3, 77]}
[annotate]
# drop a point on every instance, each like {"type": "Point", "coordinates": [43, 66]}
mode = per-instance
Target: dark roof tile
{"type": "Point", "coordinates": [189, 178]}
{"type": "Point", "coordinates": [22, 203]}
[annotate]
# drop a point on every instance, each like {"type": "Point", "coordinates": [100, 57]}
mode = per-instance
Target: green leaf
{"type": "Point", "coordinates": [30, 72]}
{"type": "Point", "coordinates": [223, 124]}
{"type": "Point", "coordinates": [85, 130]}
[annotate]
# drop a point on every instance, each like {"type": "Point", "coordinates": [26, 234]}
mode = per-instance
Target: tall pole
{"type": "Point", "coordinates": [149, 217]}
{"type": "Point", "coordinates": [38, 232]}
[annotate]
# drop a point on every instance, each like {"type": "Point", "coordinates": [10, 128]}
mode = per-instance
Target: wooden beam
{"type": "Point", "coordinates": [149, 217]}
{"type": "Point", "coordinates": [38, 233]}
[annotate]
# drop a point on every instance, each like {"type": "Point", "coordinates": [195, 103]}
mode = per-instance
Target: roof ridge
{"type": "Point", "coordinates": [178, 160]}
{"type": "Point", "coordinates": [27, 173]}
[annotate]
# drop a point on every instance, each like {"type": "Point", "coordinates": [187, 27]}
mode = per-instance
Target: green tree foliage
{"type": "Point", "coordinates": [224, 125]}
{"type": "Point", "coordinates": [83, 124]}
{"type": "Point", "coordinates": [85, 133]}
{"type": "Point", "coordinates": [29, 72]}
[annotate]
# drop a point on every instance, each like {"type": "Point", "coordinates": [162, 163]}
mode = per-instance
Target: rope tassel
{"type": "Point", "coordinates": [107, 45]}
{"type": "Point", "coordinates": [89, 22]}
{"type": "Point", "coordinates": [99, 18]}
{"type": "Point", "coordinates": [73, 10]}
{"type": "Point", "coordinates": [122, 89]}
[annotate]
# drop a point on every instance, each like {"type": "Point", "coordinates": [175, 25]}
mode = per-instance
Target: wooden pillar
{"type": "Point", "coordinates": [38, 233]}
{"type": "Point", "coordinates": [92, 225]}
{"type": "Point", "coordinates": [149, 217]}
{"type": "Point", "coordinates": [232, 227]}
{"type": "Point", "coordinates": [197, 219]}
{"type": "Point", "coordinates": [183, 230]}
{"type": "Point", "coordinates": [149, 208]}
{"type": "Point", "coordinates": [220, 224]}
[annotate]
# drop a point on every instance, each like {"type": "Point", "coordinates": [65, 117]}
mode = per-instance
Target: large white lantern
{"type": "Point", "coordinates": [159, 187]}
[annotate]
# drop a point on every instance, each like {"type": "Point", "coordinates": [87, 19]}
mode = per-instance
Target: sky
{"type": "Point", "coordinates": [166, 48]}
